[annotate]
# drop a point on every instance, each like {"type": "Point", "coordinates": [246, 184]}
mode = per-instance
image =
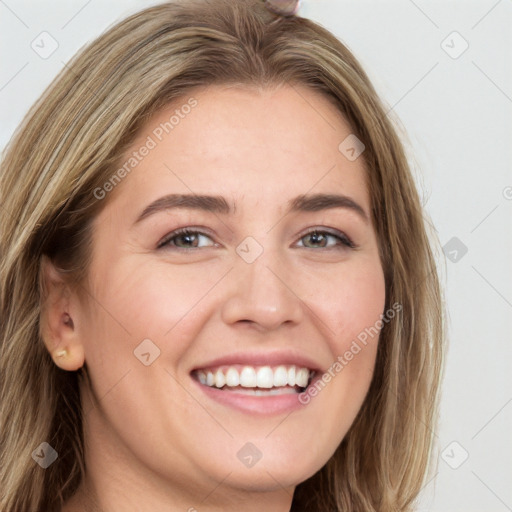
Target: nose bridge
{"type": "Point", "coordinates": [261, 292]}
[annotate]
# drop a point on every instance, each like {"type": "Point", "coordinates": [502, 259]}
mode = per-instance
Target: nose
{"type": "Point", "coordinates": [262, 294]}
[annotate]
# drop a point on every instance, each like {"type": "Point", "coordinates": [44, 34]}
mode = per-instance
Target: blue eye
{"type": "Point", "coordinates": [191, 239]}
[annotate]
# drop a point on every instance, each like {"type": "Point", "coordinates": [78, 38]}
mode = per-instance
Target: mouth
{"type": "Point", "coordinates": [262, 384]}
{"type": "Point", "coordinates": [256, 380]}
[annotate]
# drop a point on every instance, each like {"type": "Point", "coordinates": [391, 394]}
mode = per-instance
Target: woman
{"type": "Point", "coordinates": [217, 290]}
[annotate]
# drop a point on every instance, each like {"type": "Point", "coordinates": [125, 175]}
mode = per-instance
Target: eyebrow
{"type": "Point", "coordinates": [218, 204]}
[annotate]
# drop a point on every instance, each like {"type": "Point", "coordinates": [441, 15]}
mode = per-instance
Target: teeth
{"type": "Point", "coordinates": [220, 380]}
{"type": "Point", "coordinates": [264, 377]}
{"type": "Point", "coordinates": [302, 377]}
{"type": "Point", "coordinates": [232, 378]}
{"type": "Point", "coordinates": [280, 376]}
{"type": "Point", "coordinates": [266, 392]}
{"type": "Point", "coordinates": [248, 377]}
{"type": "Point", "coordinates": [291, 376]}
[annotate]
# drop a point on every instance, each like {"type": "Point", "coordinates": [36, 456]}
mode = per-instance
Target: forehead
{"type": "Point", "coordinates": [255, 145]}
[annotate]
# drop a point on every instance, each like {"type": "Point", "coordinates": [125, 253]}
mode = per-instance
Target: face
{"type": "Point", "coordinates": [266, 291]}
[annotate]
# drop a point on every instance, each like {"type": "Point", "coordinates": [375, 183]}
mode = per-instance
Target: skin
{"type": "Point", "coordinates": [154, 441]}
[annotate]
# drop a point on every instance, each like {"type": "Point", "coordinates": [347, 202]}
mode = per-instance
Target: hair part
{"type": "Point", "coordinates": [71, 142]}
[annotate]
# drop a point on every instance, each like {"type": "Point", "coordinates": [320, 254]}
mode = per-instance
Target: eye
{"type": "Point", "coordinates": [189, 237]}
{"type": "Point", "coordinates": [321, 237]}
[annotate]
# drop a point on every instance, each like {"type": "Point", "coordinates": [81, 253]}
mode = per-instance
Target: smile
{"type": "Point", "coordinates": [256, 380]}
{"type": "Point", "coordinates": [257, 383]}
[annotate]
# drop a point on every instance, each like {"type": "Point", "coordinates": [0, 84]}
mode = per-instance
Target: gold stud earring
{"type": "Point", "coordinates": [61, 353]}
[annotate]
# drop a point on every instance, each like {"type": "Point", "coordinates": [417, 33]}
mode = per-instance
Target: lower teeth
{"type": "Point", "coordinates": [285, 390]}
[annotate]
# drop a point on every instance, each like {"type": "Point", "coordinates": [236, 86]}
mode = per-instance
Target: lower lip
{"type": "Point", "coordinates": [261, 405]}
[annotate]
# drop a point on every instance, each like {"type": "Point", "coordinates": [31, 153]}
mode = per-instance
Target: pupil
{"type": "Point", "coordinates": [315, 236]}
{"type": "Point", "coordinates": [187, 238]}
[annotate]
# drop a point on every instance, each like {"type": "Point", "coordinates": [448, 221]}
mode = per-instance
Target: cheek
{"type": "Point", "coordinates": [147, 300]}
{"type": "Point", "coordinates": [130, 306]}
{"type": "Point", "coordinates": [350, 302]}
{"type": "Point", "coordinates": [352, 307]}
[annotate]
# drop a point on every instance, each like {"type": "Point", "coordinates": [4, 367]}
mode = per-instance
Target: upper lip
{"type": "Point", "coordinates": [276, 358]}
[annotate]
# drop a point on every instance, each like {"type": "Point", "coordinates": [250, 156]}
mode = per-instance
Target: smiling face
{"type": "Point", "coordinates": [250, 294]}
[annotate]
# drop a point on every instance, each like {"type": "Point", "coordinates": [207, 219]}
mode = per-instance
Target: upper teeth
{"type": "Point", "coordinates": [252, 377]}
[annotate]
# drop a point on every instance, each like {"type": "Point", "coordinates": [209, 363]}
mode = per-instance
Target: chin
{"type": "Point", "coordinates": [270, 477]}
{"type": "Point", "coordinates": [271, 472]}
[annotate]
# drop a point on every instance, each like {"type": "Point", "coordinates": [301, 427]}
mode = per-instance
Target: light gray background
{"type": "Point", "coordinates": [456, 117]}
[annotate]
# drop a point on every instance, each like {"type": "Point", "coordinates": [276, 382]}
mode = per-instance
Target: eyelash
{"type": "Point", "coordinates": [345, 241]}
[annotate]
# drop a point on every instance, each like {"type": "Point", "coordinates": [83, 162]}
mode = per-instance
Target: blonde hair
{"type": "Point", "coordinates": [69, 144]}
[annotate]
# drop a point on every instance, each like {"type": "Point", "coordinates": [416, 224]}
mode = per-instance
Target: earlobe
{"type": "Point", "coordinates": [58, 319]}
{"type": "Point", "coordinates": [69, 359]}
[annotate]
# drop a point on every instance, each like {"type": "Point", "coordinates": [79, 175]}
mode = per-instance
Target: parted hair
{"type": "Point", "coordinates": [71, 142]}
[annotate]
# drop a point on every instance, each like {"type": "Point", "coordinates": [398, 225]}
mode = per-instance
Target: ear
{"type": "Point", "coordinates": [59, 318]}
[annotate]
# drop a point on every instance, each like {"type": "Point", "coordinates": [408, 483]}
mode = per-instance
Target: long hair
{"type": "Point", "coordinates": [69, 144]}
